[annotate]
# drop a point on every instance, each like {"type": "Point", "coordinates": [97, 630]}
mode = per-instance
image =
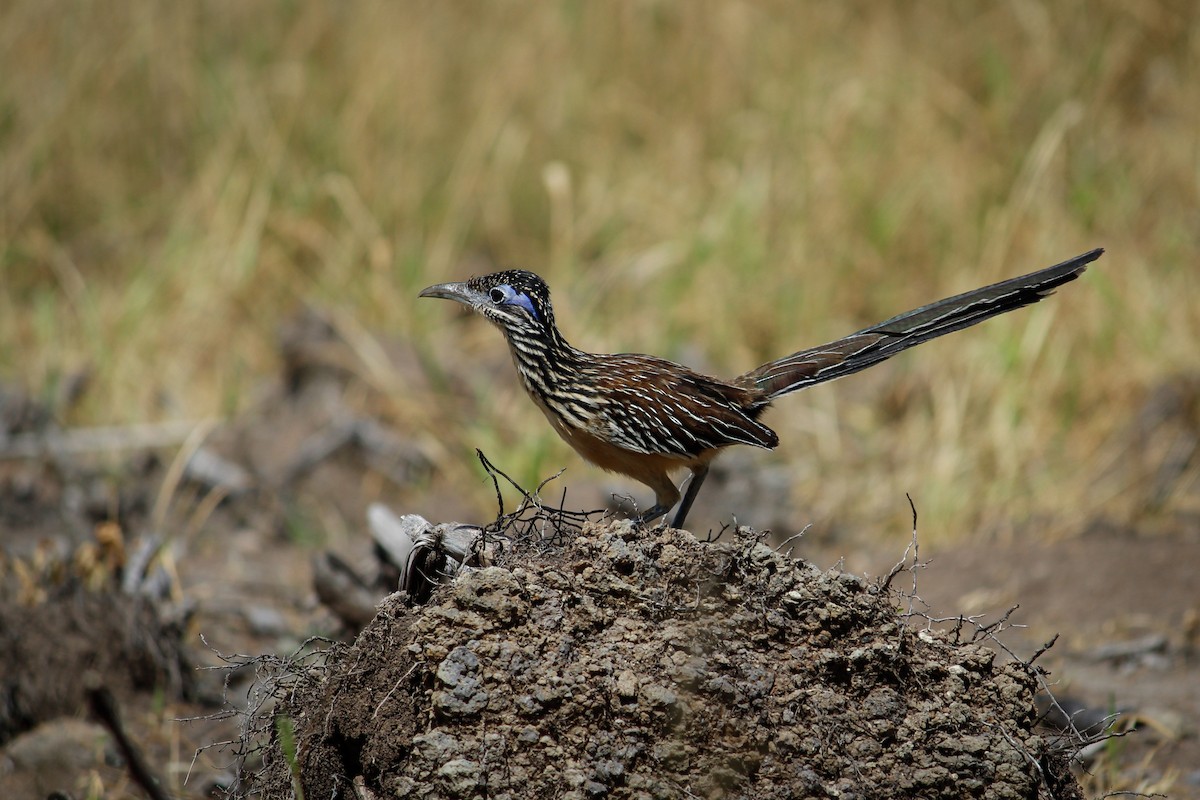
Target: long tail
{"type": "Point", "coordinates": [878, 342]}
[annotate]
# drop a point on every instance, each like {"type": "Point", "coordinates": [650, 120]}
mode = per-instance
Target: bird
{"type": "Point", "coordinates": [646, 417]}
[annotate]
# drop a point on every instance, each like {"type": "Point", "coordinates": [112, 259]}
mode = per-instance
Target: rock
{"type": "Point", "coordinates": [459, 777]}
{"type": "Point", "coordinates": [265, 621]}
{"type": "Point", "coordinates": [465, 694]}
{"type": "Point", "coordinates": [493, 592]}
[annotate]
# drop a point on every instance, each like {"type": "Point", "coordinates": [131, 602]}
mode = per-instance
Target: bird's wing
{"type": "Point", "coordinates": [660, 408]}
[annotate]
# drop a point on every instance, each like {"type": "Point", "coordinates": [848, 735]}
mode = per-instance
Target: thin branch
{"type": "Point", "coordinates": [104, 707]}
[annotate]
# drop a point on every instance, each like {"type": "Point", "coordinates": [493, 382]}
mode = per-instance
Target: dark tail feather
{"type": "Point", "coordinates": [878, 342]}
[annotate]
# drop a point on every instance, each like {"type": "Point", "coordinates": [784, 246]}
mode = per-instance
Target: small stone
{"type": "Point", "coordinates": [672, 755]}
{"type": "Point", "coordinates": [460, 776]}
{"type": "Point", "coordinates": [526, 704]}
{"type": "Point", "coordinates": [265, 621]}
{"type": "Point", "coordinates": [436, 746]}
{"type": "Point", "coordinates": [757, 682]}
{"type": "Point", "coordinates": [457, 666]}
{"type": "Point", "coordinates": [610, 771]}
{"type": "Point", "coordinates": [493, 592]}
{"type": "Point", "coordinates": [657, 695]}
{"type": "Point", "coordinates": [58, 747]}
{"type": "Point", "coordinates": [466, 695]}
{"type": "Point", "coordinates": [627, 686]}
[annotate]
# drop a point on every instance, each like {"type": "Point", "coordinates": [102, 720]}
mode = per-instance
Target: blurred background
{"type": "Point", "coordinates": [719, 185]}
{"type": "Point", "coordinates": [203, 204]}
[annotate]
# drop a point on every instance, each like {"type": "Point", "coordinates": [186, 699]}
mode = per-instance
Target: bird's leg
{"type": "Point", "coordinates": [663, 505]}
{"type": "Point", "coordinates": [666, 494]}
{"type": "Point", "coordinates": [652, 513]}
{"type": "Point", "coordinates": [698, 475]}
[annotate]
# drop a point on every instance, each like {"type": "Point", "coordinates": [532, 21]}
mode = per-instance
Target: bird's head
{"type": "Point", "coordinates": [517, 301]}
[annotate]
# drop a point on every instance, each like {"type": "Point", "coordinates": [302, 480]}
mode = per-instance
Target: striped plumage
{"type": "Point", "coordinates": [646, 417]}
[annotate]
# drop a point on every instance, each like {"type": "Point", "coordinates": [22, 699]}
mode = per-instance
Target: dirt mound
{"type": "Point", "coordinates": [650, 665]}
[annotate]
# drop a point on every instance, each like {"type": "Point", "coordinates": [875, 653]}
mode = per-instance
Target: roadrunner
{"type": "Point", "coordinates": [647, 417]}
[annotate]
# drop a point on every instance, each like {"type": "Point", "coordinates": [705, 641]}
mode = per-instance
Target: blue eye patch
{"type": "Point", "coordinates": [505, 295]}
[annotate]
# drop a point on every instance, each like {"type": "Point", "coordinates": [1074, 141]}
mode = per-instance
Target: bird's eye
{"type": "Point", "coordinates": [505, 295]}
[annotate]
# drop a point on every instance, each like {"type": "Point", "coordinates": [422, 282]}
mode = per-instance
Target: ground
{"type": "Point", "coordinates": [238, 584]}
{"type": "Point", "coordinates": [627, 663]}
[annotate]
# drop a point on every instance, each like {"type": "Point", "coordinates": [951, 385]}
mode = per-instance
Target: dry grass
{"type": "Point", "coordinates": [719, 184]}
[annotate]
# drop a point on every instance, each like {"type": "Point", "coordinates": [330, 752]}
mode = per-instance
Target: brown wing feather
{"type": "Point", "coordinates": [661, 408]}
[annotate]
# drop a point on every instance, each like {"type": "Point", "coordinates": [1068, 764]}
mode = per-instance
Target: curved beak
{"type": "Point", "coordinates": [458, 292]}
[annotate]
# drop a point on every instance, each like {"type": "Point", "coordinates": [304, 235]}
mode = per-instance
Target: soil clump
{"type": "Point", "coordinates": [647, 664]}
